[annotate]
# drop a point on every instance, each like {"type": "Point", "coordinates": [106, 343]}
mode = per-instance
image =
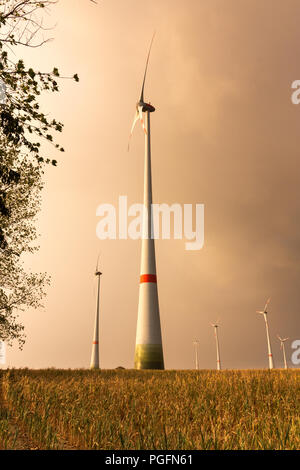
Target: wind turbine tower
{"type": "Point", "coordinates": [216, 326]}
{"type": "Point", "coordinates": [282, 341]}
{"type": "Point", "coordinates": [264, 312]}
{"type": "Point", "coordinates": [148, 348]}
{"type": "Point", "coordinates": [95, 347]}
{"type": "Point", "coordinates": [196, 344]}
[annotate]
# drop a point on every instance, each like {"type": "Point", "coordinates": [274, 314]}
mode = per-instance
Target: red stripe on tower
{"type": "Point", "coordinates": [148, 278]}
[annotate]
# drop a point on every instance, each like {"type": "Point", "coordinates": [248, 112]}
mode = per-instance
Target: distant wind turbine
{"type": "Point", "coordinates": [148, 348]}
{"type": "Point", "coordinates": [95, 347]}
{"type": "Point", "coordinates": [282, 341]}
{"type": "Point", "coordinates": [264, 313]}
{"type": "Point", "coordinates": [196, 344]}
{"type": "Point", "coordinates": [216, 326]}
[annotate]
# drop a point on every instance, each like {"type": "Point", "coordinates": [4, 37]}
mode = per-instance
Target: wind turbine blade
{"type": "Point", "coordinates": [143, 86]}
{"type": "Point", "coordinates": [258, 311]}
{"type": "Point", "coordinates": [135, 119]}
{"type": "Point", "coordinates": [97, 263]}
{"type": "Point", "coordinates": [142, 119]}
{"type": "Point", "coordinates": [267, 303]}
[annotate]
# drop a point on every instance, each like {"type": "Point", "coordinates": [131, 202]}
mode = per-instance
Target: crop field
{"type": "Point", "coordinates": [127, 409]}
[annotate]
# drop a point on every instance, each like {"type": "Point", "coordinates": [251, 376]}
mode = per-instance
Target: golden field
{"type": "Point", "coordinates": [128, 409]}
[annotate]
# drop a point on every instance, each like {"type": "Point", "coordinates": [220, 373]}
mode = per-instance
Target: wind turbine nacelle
{"type": "Point", "coordinates": [146, 107]}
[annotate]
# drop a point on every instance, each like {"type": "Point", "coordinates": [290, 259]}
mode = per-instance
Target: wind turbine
{"type": "Point", "coordinates": [95, 347]}
{"type": "Point", "coordinates": [148, 348]}
{"type": "Point", "coordinates": [264, 313]}
{"type": "Point", "coordinates": [282, 341]}
{"type": "Point", "coordinates": [216, 326]}
{"type": "Point", "coordinates": [196, 344]}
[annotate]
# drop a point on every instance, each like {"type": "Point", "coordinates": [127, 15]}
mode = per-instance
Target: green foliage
{"type": "Point", "coordinates": [23, 129]}
{"type": "Point", "coordinates": [20, 186]}
{"type": "Point", "coordinates": [21, 120]}
{"type": "Point", "coordinates": [23, 126]}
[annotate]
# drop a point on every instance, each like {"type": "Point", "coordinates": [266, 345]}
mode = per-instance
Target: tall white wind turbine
{"type": "Point", "coordinates": [264, 312]}
{"type": "Point", "coordinates": [216, 326]}
{"type": "Point", "coordinates": [95, 346]}
{"type": "Point", "coordinates": [282, 341]}
{"type": "Point", "coordinates": [196, 344]}
{"type": "Point", "coordinates": [148, 349]}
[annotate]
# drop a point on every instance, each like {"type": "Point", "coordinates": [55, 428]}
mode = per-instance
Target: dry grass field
{"type": "Point", "coordinates": [127, 409]}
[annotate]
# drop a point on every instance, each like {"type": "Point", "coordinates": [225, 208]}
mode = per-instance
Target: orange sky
{"type": "Point", "coordinates": [225, 133]}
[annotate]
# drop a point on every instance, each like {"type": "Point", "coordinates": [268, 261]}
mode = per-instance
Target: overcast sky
{"type": "Point", "coordinates": [225, 133]}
